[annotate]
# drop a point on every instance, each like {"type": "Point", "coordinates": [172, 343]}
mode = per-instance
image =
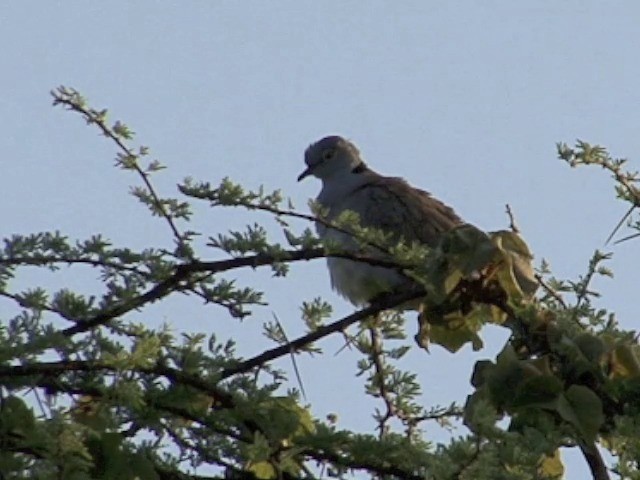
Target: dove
{"type": "Point", "coordinates": [385, 203]}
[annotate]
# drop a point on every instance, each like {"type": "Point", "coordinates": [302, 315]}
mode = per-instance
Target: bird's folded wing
{"type": "Point", "coordinates": [392, 205]}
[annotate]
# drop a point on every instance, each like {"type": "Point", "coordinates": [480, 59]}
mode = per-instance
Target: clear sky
{"type": "Point", "coordinates": [464, 99]}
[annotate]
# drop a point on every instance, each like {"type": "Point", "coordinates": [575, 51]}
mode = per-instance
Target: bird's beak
{"type": "Point", "coordinates": [305, 174]}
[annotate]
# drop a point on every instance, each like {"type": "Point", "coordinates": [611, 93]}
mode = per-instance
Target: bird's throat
{"type": "Point", "coordinates": [360, 168]}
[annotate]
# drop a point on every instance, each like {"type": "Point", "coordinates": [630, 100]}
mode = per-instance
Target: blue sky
{"type": "Point", "coordinates": [464, 99]}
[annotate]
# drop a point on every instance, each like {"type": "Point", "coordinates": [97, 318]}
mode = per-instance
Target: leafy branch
{"type": "Point", "coordinates": [626, 181]}
{"type": "Point", "coordinates": [161, 405]}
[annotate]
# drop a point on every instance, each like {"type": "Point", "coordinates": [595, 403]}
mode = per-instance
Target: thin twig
{"type": "Point", "coordinates": [91, 117]}
{"type": "Point", "coordinates": [262, 259]}
{"type": "Point", "coordinates": [452, 411]}
{"type": "Point", "coordinates": [278, 212]}
{"type": "Point", "coordinates": [512, 221]}
{"type": "Point", "coordinates": [52, 260]}
{"type": "Point", "coordinates": [619, 225]}
{"type": "Point", "coordinates": [293, 356]}
{"type": "Point", "coordinates": [379, 379]}
{"type": "Point", "coordinates": [550, 290]}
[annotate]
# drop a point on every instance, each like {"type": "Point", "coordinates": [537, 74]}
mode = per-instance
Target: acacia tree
{"type": "Point", "coordinates": [87, 392]}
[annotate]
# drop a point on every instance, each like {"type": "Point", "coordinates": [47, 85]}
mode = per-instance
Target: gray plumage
{"type": "Point", "coordinates": [389, 204]}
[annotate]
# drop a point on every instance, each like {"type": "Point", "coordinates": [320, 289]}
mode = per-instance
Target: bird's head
{"type": "Point", "coordinates": [332, 156]}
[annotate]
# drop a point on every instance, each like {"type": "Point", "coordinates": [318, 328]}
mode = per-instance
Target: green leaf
{"type": "Point", "coordinates": [516, 274]}
{"type": "Point", "coordinates": [468, 249]}
{"type": "Point", "coordinates": [263, 470]}
{"type": "Point", "coordinates": [504, 377]}
{"type": "Point", "coordinates": [15, 416]}
{"type": "Point", "coordinates": [551, 466]}
{"type": "Point", "coordinates": [304, 420]}
{"type": "Point", "coordinates": [481, 371]}
{"type": "Point", "coordinates": [537, 390]}
{"type": "Point", "coordinates": [624, 361]}
{"type": "Point", "coordinates": [451, 332]}
{"type": "Point", "coordinates": [582, 408]}
{"type": "Point", "coordinates": [592, 347]}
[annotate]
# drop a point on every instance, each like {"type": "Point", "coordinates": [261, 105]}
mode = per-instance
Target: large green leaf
{"type": "Point", "coordinates": [451, 332]}
{"type": "Point", "coordinates": [537, 390]}
{"type": "Point", "coordinates": [582, 408]}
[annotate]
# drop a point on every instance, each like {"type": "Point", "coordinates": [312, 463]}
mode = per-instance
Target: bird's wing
{"type": "Point", "coordinates": [392, 205]}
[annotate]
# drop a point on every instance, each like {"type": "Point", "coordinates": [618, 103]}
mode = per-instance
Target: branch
{"type": "Point", "coordinates": [51, 260]}
{"type": "Point", "coordinates": [594, 460]}
{"type": "Point", "coordinates": [460, 471]}
{"type": "Point", "coordinates": [73, 101]}
{"type": "Point", "coordinates": [547, 288]}
{"type": "Point", "coordinates": [262, 259]}
{"type": "Point", "coordinates": [582, 292]}
{"type": "Point", "coordinates": [385, 303]}
{"type": "Point", "coordinates": [55, 385]}
{"type": "Point", "coordinates": [452, 411]}
{"type": "Point", "coordinates": [512, 220]}
{"type": "Point", "coordinates": [596, 155]}
{"type": "Point", "coordinates": [183, 271]}
{"type": "Point", "coordinates": [379, 375]}
{"type": "Point", "coordinates": [381, 470]}
{"type": "Point", "coordinates": [159, 291]}
{"type": "Point", "coordinates": [176, 376]}
{"type": "Point", "coordinates": [247, 201]}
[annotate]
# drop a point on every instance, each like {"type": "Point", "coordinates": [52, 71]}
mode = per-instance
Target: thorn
{"type": "Point", "coordinates": [622, 220]}
{"type": "Point", "coordinates": [293, 357]}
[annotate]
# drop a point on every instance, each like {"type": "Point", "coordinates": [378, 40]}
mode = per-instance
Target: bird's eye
{"type": "Point", "coordinates": [328, 154]}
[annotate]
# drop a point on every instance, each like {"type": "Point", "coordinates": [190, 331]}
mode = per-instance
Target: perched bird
{"type": "Point", "coordinates": [388, 204]}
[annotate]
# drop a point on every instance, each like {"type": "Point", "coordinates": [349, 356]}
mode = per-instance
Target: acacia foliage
{"type": "Point", "coordinates": [88, 392]}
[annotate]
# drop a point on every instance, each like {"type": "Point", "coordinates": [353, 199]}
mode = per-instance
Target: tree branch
{"type": "Point", "coordinates": [55, 385]}
{"type": "Point", "coordinates": [379, 376]}
{"type": "Point", "coordinates": [594, 460]}
{"type": "Point", "coordinates": [40, 260]}
{"type": "Point", "coordinates": [183, 271]}
{"type": "Point", "coordinates": [385, 303]}
{"type": "Point", "coordinates": [74, 101]}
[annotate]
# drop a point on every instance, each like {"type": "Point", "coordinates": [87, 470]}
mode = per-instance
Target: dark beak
{"type": "Point", "coordinates": [305, 174]}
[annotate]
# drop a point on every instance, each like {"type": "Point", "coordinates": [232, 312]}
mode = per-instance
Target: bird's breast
{"type": "Point", "coordinates": [360, 282]}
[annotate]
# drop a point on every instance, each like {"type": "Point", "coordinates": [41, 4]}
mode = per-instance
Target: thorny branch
{"type": "Point", "coordinates": [179, 280]}
{"type": "Point", "coordinates": [383, 304]}
{"type": "Point", "coordinates": [547, 288]}
{"type": "Point", "coordinates": [184, 279]}
{"type": "Point", "coordinates": [379, 377]}
{"type": "Point", "coordinates": [73, 101]}
{"type": "Point", "coordinates": [42, 260]}
{"type": "Point", "coordinates": [222, 399]}
{"type": "Point", "coordinates": [595, 155]}
{"type": "Point", "coordinates": [279, 212]}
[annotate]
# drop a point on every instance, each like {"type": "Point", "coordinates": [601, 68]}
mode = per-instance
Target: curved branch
{"type": "Point", "coordinates": [73, 101]}
{"type": "Point", "coordinates": [594, 460]}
